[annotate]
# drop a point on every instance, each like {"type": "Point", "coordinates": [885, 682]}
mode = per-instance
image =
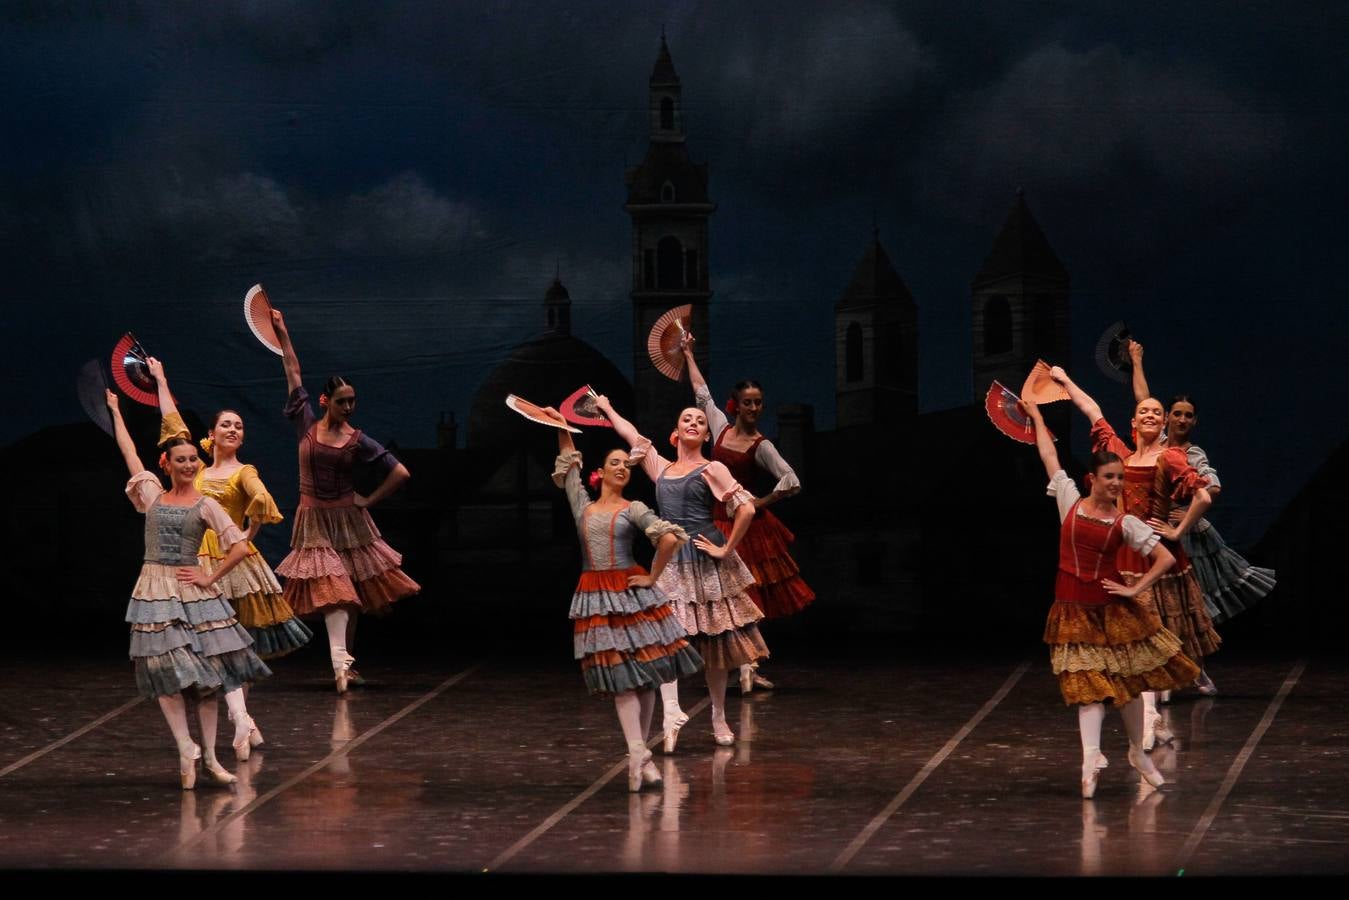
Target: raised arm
{"type": "Point", "coordinates": [124, 442]}
{"type": "Point", "coordinates": [625, 429]}
{"type": "Point", "coordinates": [289, 361]}
{"type": "Point", "coordinates": [171, 424]}
{"type": "Point", "coordinates": [1043, 442]}
{"type": "Point", "coordinates": [1140, 381]}
{"type": "Point", "coordinates": [1090, 408]}
{"type": "Point", "coordinates": [695, 374]}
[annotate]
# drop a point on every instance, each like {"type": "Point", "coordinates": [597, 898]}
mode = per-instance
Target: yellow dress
{"type": "Point", "coordinates": [250, 587]}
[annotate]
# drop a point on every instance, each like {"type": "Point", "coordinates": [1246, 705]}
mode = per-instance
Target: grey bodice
{"type": "Point", "coordinates": [173, 533]}
{"type": "Point", "coordinates": [606, 539]}
{"type": "Point", "coordinates": [687, 501]}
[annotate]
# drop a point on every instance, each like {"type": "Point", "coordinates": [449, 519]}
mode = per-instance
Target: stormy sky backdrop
{"type": "Point", "coordinates": [404, 179]}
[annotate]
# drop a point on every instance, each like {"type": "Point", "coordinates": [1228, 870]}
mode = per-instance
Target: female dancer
{"type": "Point", "coordinates": [1104, 648]}
{"type": "Point", "coordinates": [184, 638]}
{"type": "Point", "coordinates": [625, 631]}
{"type": "Point", "coordinates": [1231, 584]}
{"type": "Point", "coordinates": [1155, 477]}
{"type": "Point", "coordinates": [250, 588]}
{"type": "Point", "coordinates": [706, 579]}
{"type": "Point", "coordinates": [779, 589]}
{"type": "Point", "coordinates": [339, 565]}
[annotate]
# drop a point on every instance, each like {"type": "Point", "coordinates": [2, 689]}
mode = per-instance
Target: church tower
{"type": "Point", "coordinates": [1021, 306]}
{"type": "Point", "coordinates": [669, 206]}
{"type": "Point", "coordinates": [876, 344]}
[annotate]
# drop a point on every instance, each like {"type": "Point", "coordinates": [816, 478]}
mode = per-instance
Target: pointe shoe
{"type": "Point", "coordinates": [187, 765]}
{"type": "Point", "coordinates": [355, 678]}
{"type": "Point", "coordinates": [723, 738]}
{"type": "Point", "coordinates": [1150, 720]}
{"type": "Point", "coordinates": [1139, 760]}
{"type": "Point", "coordinates": [1162, 734]}
{"type": "Point", "coordinates": [650, 774]}
{"type": "Point", "coordinates": [746, 679]}
{"type": "Point", "coordinates": [1205, 685]}
{"type": "Point", "coordinates": [340, 680]}
{"type": "Point", "coordinates": [1101, 761]}
{"type": "Point", "coordinates": [217, 773]}
{"type": "Point", "coordinates": [1091, 773]}
{"type": "Point", "coordinates": [243, 745]}
{"type": "Point", "coordinates": [255, 736]}
{"type": "Point", "coordinates": [671, 724]}
{"type": "Point", "coordinates": [762, 683]}
{"type": "Point", "coordinates": [638, 758]}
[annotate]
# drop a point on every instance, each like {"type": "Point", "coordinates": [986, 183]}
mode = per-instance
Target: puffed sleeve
{"type": "Point", "coordinates": [1103, 437]}
{"type": "Point", "coordinates": [725, 488]}
{"type": "Point", "coordinates": [1138, 535]}
{"type": "Point", "coordinates": [652, 525]}
{"type": "Point", "coordinates": [716, 419]}
{"type": "Point", "coordinates": [1181, 478]}
{"type": "Point", "coordinates": [370, 452]}
{"type": "Point", "coordinates": [261, 507]}
{"type": "Point", "coordinates": [171, 426]}
{"type": "Point", "coordinates": [143, 489]}
{"type": "Point", "coordinates": [644, 455]}
{"type": "Point", "coordinates": [1064, 491]}
{"type": "Point", "coordinates": [220, 522]}
{"type": "Point", "coordinates": [298, 410]}
{"type": "Point", "coordinates": [567, 475]}
{"type": "Point", "coordinates": [1198, 459]}
{"type": "Point", "coordinates": [771, 461]}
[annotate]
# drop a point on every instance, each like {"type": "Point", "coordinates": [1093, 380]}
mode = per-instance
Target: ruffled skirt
{"type": "Point", "coordinates": [253, 591]}
{"type": "Point", "coordinates": [1178, 599]}
{"type": "Point", "coordinates": [1112, 653]}
{"type": "Point", "coordinates": [338, 558]}
{"type": "Point", "coordinates": [627, 638]}
{"type": "Point", "coordinates": [184, 638]}
{"type": "Point", "coordinates": [1231, 585]}
{"type": "Point", "coordinates": [778, 588]}
{"type": "Point", "coordinates": [709, 596]}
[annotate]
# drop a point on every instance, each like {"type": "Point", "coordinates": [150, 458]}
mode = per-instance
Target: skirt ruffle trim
{"type": "Point", "coordinates": [731, 649]}
{"type": "Point", "coordinates": [275, 641]}
{"type": "Point", "coordinates": [613, 672]}
{"type": "Point", "coordinates": [626, 633]}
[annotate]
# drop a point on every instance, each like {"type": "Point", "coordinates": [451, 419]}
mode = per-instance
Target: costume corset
{"type": "Point", "coordinates": [606, 540]}
{"type": "Point", "coordinates": [1088, 549]}
{"type": "Point", "coordinates": [741, 463]}
{"type": "Point", "coordinates": [173, 534]}
{"type": "Point", "coordinates": [687, 502]}
{"type": "Point", "coordinates": [326, 472]}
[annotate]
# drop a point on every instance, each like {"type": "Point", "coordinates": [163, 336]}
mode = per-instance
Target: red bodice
{"type": "Point", "coordinates": [741, 463]}
{"type": "Point", "coordinates": [1088, 549]}
{"type": "Point", "coordinates": [326, 472]}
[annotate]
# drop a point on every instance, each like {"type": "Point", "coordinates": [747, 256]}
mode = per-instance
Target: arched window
{"type": "Point", "coordinates": [853, 352]}
{"type": "Point", "coordinates": [666, 114]}
{"type": "Point", "coordinates": [997, 326]}
{"type": "Point", "coordinates": [667, 193]}
{"type": "Point", "coordinates": [669, 263]}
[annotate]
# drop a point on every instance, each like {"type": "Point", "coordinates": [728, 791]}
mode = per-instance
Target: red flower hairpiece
{"type": "Point", "coordinates": [164, 460]}
{"type": "Point", "coordinates": [732, 406]}
{"type": "Point", "coordinates": [323, 400]}
{"type": "Point", "coordinates": [595, 478]}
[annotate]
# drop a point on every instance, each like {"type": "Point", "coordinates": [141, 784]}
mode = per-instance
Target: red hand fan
{"type": "Point", "coordinates": [663, 344]}
{"type": "Point", "coordinates": [131, 373]}
{"type": "Point", "coordinates": [580, 409]}
{"type": "Point", "coordinates": [1040, 388]}
{"type": "Point", "coordinates": [1005, 412]}
{"type": "Point", "coordinates": [258, 315]}
{"type": "Point", "coordinates": [536, 414]}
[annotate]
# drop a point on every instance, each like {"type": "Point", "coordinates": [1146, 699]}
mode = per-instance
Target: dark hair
{"type": "Point", "coordinates": [334, 382]}
{"type": "Point", "coordinates": [1182, 398]}
{"type": "Point", "coordinates": [216, 419]}
{"type": "Point", "coordinates": [744, 385]}
{"type": "Point", "coordinates": [174, 442]}
{"type": "Point", "coordinates": [1103, 458]}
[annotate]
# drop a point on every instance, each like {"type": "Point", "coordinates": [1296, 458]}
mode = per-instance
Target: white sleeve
{"type": "Point", "coordinates": [771, 461]}
{"type": "Point", "coordinates": [1064, 490]}
{"type": "Point", "coordinates": [716, 419]}
{"type": "Point", "coordinates": [1139, 535]}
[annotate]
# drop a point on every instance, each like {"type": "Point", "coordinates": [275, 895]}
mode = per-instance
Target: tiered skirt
{"type": "Point", "coordinates": [778, 588]}
{"type": "Point", "coordinates": [253, 591]}
{"type": "Point", "coordinates": [184, 638]}
{"type": "Point", "coordinates": [338, 558]}
{"type": "Point", "coordinates": [1231, 585]}
{"type": "Point", "coordinates": [710, 597]}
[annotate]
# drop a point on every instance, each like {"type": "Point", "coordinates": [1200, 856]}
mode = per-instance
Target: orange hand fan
{"type": "Point", "coordinates": [663, 344]}
{"type": "Point", "coordinates": [1040, 388]}
{"type": "Point", "coordinates": [258, 315]}
{"type": "Point", "coordinates": [536, 414]}
{"type": "Point", "coordinates": [580, 409]}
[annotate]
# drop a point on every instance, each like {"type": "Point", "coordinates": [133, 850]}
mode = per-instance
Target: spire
{"type": "Point", "coordinates": [557, 306]}
{"type": "Point", "coordinates": [875, 279]}
{"type": "Point", "coordinates": [1021, 248]}
{"type": "Point", "coordinates": [664, 71]}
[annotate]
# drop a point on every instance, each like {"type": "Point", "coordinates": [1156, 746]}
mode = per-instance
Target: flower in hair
{"type": "Point", "coordinates": [323, 400]}
{"type": "Point", "coordinates": [206, 444]}
{"type": "Point", "coordinates": [595, 478]}
{"type": "Point", "coordinates": [164, 460]}
{"type": "Point", "coordinates": [732, 406]}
